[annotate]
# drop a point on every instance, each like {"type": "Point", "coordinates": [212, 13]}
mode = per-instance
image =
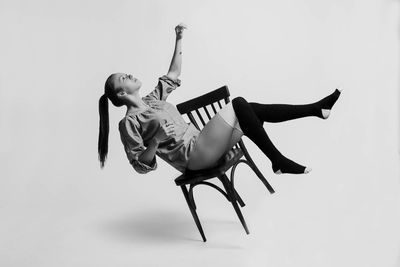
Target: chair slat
{"type": "Point", "coordinates": [206, 110]}
{"type": "Point", "coordinates": [191, 117]}
{"type": "Point", "coordinates": [201, 118]}
{"type": "Point", "coordinates": [219, 104]}
{"type": "Point", "coordinates": [213, 107]}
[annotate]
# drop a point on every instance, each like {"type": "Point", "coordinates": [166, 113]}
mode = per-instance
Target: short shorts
{"type": "Point", "coordinates": [228, 114]}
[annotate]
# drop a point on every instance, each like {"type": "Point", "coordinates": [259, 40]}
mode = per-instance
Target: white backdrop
{"type": "Point", "coordinates": [58, 208]}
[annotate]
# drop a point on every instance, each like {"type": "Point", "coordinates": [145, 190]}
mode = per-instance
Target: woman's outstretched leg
{"type": "Point", "coordinates": [285, 112]}
{"type": "Point", "coordinates": [252, 127]}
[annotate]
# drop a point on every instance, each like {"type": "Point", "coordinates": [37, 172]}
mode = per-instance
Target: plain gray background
{"type": "Point", "coordinates": [57, 207]}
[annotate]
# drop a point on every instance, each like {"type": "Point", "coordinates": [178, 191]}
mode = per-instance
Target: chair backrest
{"type": "Point", "coordinates": [202, 108]}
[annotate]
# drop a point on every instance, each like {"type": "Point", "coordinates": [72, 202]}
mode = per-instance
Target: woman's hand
{"type": "Point", "coordinates": [166, 130]}
{"type": "Point", "coordinates": [179, 30]}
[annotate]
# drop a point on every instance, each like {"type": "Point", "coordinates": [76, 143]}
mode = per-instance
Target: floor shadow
{"type": "Point", "coordinates": [155, 227]}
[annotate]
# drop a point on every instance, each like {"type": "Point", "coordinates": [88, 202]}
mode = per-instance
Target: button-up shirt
{"type": "Point", "coordinates": [139, 126]}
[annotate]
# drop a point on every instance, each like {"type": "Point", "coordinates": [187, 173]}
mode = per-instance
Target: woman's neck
{"type": "Point", "coordinates": [136, 105]}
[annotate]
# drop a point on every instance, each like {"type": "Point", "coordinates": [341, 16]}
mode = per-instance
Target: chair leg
{"type": "Point", "coordinates": [193, 211]}
{"type": "Point", "coordinates": [191, 198]}
{"type": "Point", "coordinates": [228, 187]}
{"type": "Point", "coordinates": [239, 199]}
{"type": "Point", "coordinates": [253, 166]}
{"type": "Point", "coordinates": [261, 177]}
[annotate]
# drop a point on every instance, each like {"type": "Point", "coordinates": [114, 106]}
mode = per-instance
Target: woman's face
{"type": "Point", "coordinates": [126, 82]}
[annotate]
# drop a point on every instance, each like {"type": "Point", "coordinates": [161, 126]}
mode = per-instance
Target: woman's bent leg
{"type": "Point", "coordinates": [253, 128]}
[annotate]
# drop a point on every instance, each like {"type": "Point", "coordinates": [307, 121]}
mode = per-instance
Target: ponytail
{"type": "Point", "coordinates": [103, 130]}
{"type": "Point", "coordinates": [104, 121]}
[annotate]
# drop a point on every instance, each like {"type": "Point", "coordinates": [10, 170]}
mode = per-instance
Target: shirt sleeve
{"type": "Point", "coordinates": [133, 144]}
{"type": "Point", "coordinates": [164, 87]}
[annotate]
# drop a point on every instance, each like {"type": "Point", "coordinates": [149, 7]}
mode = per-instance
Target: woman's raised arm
{"type": "Point", "coordinates": [176, 62]}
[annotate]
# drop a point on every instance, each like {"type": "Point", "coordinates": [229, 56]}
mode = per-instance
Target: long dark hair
{"type": "Point", "coordinates": [104, 127]}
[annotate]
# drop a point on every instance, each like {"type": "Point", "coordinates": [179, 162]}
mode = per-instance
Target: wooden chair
{"type": "Point", "coordinates": [193, 108]}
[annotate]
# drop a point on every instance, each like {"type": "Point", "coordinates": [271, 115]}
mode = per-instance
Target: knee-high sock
{"type": "Point", "coordinates": [285, 112]}
{"type": "Point", "coordinates": [252, 127]}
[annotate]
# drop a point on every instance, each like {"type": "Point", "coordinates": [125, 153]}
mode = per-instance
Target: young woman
{"type": "Point", "coordinates": [153, 126]}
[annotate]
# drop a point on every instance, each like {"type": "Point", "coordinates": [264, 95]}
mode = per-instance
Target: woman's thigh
{"type": "Point", "coordinates": [216, 138]}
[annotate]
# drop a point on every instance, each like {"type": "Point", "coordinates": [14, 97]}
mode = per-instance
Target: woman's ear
{"type": "Point", "coordinates": [121, 93]}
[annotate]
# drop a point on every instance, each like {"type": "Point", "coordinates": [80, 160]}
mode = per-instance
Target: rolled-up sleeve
{"type": "Point", "coordinates": [133, 144]}
{"type": "Point", "coordinates": [164, 87]}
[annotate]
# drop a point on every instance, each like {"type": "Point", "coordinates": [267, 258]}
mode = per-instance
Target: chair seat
{"type": "Point", "coordinates": [224, 163]}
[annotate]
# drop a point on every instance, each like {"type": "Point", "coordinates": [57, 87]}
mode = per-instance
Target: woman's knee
{"type": "Point", "coordinates": [239, 100]}
{"type": "Point", "coordinates": [245, 114]}
{"type": "Point", "coordinates": [240, 105]}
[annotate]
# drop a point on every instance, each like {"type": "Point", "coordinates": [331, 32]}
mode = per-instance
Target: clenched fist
{"type": "Point", "coordinates": [166, 130]}
{"type": "Point", "coordinates": [179, 30]}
